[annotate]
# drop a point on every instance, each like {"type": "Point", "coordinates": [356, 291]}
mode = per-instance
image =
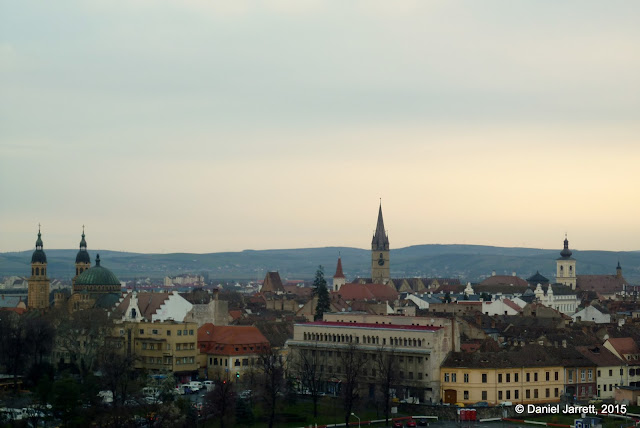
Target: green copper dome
{"type": "Point", "coordinates": [97, 275]}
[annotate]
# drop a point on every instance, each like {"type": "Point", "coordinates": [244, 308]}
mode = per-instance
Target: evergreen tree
{"type": "Point", "coordinates": [320, 290]}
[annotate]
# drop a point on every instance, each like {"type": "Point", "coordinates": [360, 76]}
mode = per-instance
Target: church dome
{"type": "Point", "coordinates": [83, 255]}
{"type": "Point", "coordinates": [566, 252]}
{"type": "Point", "coordinates": [97, 275]}
{"type": "Point", "coordinates": [38, 255]}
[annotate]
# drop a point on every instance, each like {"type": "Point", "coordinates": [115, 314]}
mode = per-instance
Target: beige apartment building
{"type": "Point", "coordinates": [419, 345]}
{"type": "Point", "coordinates": [160, 346]}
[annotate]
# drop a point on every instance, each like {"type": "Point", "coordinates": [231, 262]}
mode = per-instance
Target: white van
{"type": "Point", "coordinates": [195, 385]}
{"type": "Point", "coordinates": [209, 385]}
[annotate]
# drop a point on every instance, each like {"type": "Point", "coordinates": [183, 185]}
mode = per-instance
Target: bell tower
{"type": "Point", "coordinates": [83, 261]}
{"type": "Point", "coordinates": [380, 271]}
{"type": "Point", "coordinates": [566, 267]}
{"type": "Point", "coordinates": [38, 283]}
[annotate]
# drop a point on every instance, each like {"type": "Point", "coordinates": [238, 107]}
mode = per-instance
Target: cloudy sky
{"type": "Point", "coordinates": [206, 126]}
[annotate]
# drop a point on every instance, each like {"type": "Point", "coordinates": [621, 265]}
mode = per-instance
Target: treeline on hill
{"type": "Point", "coordinates": [467, 262]}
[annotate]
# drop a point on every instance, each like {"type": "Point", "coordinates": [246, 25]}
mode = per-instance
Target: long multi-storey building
{"type": "Point", "coordinates": [418, 346]}
{"type": "Point", "coordinates": [532, 374]}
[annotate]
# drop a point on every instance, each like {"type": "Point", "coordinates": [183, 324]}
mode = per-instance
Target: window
{"type": "Point", "coordinates": [508, 377]}
{"type": "Point", "coordinates": [590, 374]}
{"type": "Point", "coordinates": [410, 375]}
{"type": "Point", "coordinates": [245, 362]}
{"type": "Point", "coordinates": [184, 332]}
{"type": "Point", "coordinates": [142, 331]}
{"type": "Point", "coordinates": [215, 361]}
{"type": "Point", "coordinates": [547, 376]}
{"type": "Point", "coordinates": [484, 395]}
{"type": "Point", "coordinates": [190, 332]}
{"type": "Point", "coordinates": [546, 393]}
{"type": "Point", "coordinates": [515, 377]}
{"type": "Point", "coordinates": [446, 377]}
{"type": "Point", "coordinates": [179, 332]}
{"type": "Point", "coordinates": [419, 376]}
{"type": "Point", "coordinates": [556, 376]}
{"type": "Point", "coordinates": [535, 393]}
{"type": "Point", "coordinates": [177, 346]}
{"type": "Point", "coordinates": [466, 395]}
{"type": "Point", "coordinates": [535, 377]}
{"type": "Point", "coordinates": [484, 378]}
{"type": "Point", "coordinates": [610, 372]}
{"type": "Point", "coordinates": [555, 392]}
{"type": "Point", "coordinates": [466, 378]}
{"type": "Point", "coordinates": [508, 395]}
{"type": "Point", "coordinates": [168, 332]}
{"type": "Point", "coordinates": [144, 345]}
{"type": "Point", "coordinates": [621, 372]}
{"type": "Point", "coordinates": [516, 394]}
{"type": "Point", "coordinates": [583, 375]}
{"type": "Point", "coordinates": [453, 377]}
{"type": "Point", "coordinates": [527, 393]}
{"type": "Point", "coordinates": [499, 395]}
{"type": "Point", "coordinates": [570, 376]}
{"type": "Point", "coordinates": [402, 375]}
{"type": "Point", "coordinates": [499, 377]}
{"type": "Point", "coordinates": [154, 331]}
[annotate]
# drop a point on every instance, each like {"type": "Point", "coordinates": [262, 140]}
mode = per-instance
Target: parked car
{"type": "Point", "coordinates": [411, 423]}
{"type": "Point", "coordinates": [397, 424]}
{"type": "Point", "coordinates": [481, 404]}
{"type": "Point", "coordinates": [195, 385]}
{"type": "Point", "coordinates": [209, 385]}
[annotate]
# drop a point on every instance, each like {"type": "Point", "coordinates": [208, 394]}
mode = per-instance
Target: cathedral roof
{"type": "Point", "coordinates": [38, 255]}
{"type": "Point", "coordinates": [97, 275]}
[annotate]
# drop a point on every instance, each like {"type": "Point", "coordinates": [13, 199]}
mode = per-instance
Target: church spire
{"type": "Point", "coordinates": [380, 241]}
{"type": "Point", "coordinates": [339, 273]}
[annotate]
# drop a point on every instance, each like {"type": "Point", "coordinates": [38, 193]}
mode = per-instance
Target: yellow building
{"type": "Point", "coordinates": [525, 375]}
{"type": "Point", "coordinates": [160, 346]}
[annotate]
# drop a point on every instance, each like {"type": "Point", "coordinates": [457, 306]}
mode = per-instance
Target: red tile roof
{"type": "Point", "coordinates": [235, 314]}
{"type": "Point", "coordinates": [230, 340]}
{"type": "Point", "coordinates": [624, 345]}
{"type": "Point", "coordinates": [504, 280]}
{"type": "Point", "coordinates": [272, 283]}
{"type": "Point", "coordinates": [512, 305]}
{"type": "Point", "coordinates": [378, 292]}
{"type": "Point", "coordinates": [603, 284]}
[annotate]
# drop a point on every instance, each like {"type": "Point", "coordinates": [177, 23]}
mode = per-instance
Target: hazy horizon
{"type": "Point", "coordinates": [201, 126]}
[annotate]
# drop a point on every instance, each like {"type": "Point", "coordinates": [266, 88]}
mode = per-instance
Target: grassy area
{"type": "Point", "coordinates": [300, 413]}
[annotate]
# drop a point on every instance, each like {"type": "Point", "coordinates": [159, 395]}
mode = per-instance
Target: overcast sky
{"type": "Point", "coordinates": [206, 126]}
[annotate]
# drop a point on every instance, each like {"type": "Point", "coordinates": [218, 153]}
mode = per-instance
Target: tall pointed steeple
{"type": "Point", "coordinates": [83, 261]}
{"type": "Point", "coordinates": [338, 279]}
{"type": "Point", "coordinates": [380, 241]}
{"type": "Point", "coordinates": [380, 272]}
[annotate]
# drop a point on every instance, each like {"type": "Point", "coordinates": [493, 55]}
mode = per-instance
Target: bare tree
{"type": "Point", "coordinates": [271, 367]}
{"type": "Point", "coordinates": [307, 366]}
{"type": "Point", "coordinates": [387, 376]}
{"type": "Point", "coordinates": [82, 335]}
{"type": "Point", "coordinates": [353, 364]}
{"type": "Point", "coordinates": [220, 402]}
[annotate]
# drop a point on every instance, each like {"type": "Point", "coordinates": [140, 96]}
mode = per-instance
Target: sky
{"type": "Point", "coordinates": [206, 126]}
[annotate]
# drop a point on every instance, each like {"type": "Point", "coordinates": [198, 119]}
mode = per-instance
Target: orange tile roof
{"type": "Point", "coordinates": [231, 340]}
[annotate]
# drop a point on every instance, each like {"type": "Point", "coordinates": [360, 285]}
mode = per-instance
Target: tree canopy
{"type": "Point", "coordinates": [322, 293]}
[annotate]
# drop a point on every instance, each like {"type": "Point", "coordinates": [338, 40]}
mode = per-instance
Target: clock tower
{"type": "Point", "coordinates": [566, 267]}
{"type": "Point", "coordinates": [380, 273]}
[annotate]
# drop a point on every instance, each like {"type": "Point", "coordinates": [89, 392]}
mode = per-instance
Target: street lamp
{"type": "Point", "coordinates": [353, 414]}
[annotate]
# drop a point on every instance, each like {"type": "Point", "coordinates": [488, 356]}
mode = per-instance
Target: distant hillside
{"type": "Point", "coordinates": [467, 262]}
